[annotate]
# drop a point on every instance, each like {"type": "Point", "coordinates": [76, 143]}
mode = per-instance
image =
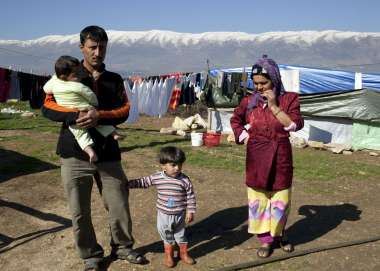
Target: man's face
{"type": "Point", "coordinates": [93, 52]}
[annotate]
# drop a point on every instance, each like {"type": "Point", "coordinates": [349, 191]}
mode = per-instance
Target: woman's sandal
{"type": "Point", "coordinates": [286, 245]}
{"type": "Point", "coordinates": [265, 251]}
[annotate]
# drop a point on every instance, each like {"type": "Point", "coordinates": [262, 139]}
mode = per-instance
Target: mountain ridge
{"type": "Point", "coordinates": [159, 51]}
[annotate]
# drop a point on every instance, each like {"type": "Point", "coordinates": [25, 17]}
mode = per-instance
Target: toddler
{"type": "Point", "coordinates": [175, 202]}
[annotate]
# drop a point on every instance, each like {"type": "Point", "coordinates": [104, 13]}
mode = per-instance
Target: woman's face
{"type": "Point", "coordinates": [262, 83]}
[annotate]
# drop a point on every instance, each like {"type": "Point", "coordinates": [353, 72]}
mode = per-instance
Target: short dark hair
{"type": "Point", "coordinates": [65, 65]}
{"type": "Point", "coordinates": [93, 32]}
{"type": "Point", "coordinates": [171, 154]}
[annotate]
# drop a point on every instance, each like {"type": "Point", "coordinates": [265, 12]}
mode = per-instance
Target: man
{"type": "Point", "coordinates": [76, 170]}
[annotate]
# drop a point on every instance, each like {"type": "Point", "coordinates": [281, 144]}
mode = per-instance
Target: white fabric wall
{"type": "Point", "coordinates": [291, 80]}
{"type": "Point", "coordinates": [322, 129]}
{"type": "Point", "coordinates": [219, 120]}
{"type": "Point", "coordinates": [327, 130]}
{"type": "Point", "coordinates": [358, 80]}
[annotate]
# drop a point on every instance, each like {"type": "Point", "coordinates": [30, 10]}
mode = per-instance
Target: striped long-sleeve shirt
{"type": "Point", "coordinates": [174, 195]}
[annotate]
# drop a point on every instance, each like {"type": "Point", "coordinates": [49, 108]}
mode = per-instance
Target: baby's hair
{"type": "Point", "coordinates": [65, 65]}
{"type": "Point", "coordinates": [171, 154]}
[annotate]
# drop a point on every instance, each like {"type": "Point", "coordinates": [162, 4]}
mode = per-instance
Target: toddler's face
{"type": "Point", "coordinates": [172, 169]}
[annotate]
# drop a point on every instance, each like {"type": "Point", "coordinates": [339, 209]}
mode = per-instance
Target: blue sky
{"type": "Point", "coordinates": [27, 19]}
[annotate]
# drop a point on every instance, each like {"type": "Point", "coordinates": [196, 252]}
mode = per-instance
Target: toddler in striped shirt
{"type": "Point", "coordinates": [175, 204]}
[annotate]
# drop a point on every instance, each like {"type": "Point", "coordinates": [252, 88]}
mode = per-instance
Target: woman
{"type": "Point", "coordinates": [262, 121]}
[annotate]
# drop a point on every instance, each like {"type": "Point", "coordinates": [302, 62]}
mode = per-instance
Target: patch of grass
{"type": "Point", "coordinates": [316, 165]}
{"type": "Point", "coordinates": [14, 121]}
{"type": "Point", "coordinates": [222, 157]}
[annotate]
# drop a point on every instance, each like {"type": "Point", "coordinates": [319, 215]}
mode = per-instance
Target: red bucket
{"type": "Point", "coordinates": [211, 139]}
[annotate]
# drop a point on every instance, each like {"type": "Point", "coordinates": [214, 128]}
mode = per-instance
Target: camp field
{"type": "Point", "coordinates": [335, 200]}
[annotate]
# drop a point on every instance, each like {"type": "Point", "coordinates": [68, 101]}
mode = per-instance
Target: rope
{"type": "Point", "coordinates": [297, 254]}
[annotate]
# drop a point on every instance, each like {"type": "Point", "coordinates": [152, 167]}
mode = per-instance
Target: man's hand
{"type": "Point", "coordinates": [87, 119]}
{"type": "Point", "coordinates": [189, 217]}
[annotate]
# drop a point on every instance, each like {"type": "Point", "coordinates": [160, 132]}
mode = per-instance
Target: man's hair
{"type": "Point", "coordinates": [171, 154]}
{"type": "Point", "coordinates": [65, 65]}
{"type": "Point", "coordinates": [93, 32]}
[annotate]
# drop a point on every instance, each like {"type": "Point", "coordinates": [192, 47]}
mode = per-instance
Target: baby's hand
{"type": "Point", "coordinates": [189, 217]}
{"type": "Point", "coordinates": [96, 75]}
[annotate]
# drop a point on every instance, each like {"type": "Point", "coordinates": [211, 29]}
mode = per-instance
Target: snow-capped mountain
{"type": "Point", "coordinates": [159, 52]}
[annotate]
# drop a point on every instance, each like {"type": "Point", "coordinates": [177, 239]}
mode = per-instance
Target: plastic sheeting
{"type": "Point", "coordinates": [319, 80]}
{"type": "Point", "coordinates": [313, 80]}
{"type": "Point", "coordinates": [365, 136]}
{"type": "Point", "coordinates": [371, 80]}
{"type": "Point", "coordinates": [326, 130]}
{"type": "Point", "coordinates": [361, 105]}
{"type": "Point", "coordinates": [219, 120]}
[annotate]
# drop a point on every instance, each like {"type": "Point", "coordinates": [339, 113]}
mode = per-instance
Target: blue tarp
{"type": "Point", "coordinates": [319, 80]}
{"type": "Point", "coordinates": [371, 80]}
{"type": "Point", "coordinates": [314, 80]}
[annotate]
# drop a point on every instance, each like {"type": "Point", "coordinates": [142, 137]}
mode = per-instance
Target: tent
{"type": "Point", "coordinates": [335, 106]}
{"type": "Point", "coordinates": [349, 117]}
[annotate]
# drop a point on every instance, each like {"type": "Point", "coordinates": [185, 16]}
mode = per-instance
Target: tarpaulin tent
{"type": "Point", "coordinates": [313, 80]}
{"type": "Point", "coordinates": [350, 117]}
{"type": "Point", "coordinates": [335, 106]}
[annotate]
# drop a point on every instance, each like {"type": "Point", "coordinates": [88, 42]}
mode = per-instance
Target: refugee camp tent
{"type": "Point", "coordinates": [336, 107]}
{"type": "Point", "coordinates": [349, 117]}
{"type": "Point", "coordinates": [313, 80]}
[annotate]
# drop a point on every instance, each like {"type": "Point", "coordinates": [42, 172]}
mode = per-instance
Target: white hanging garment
{"type": "Point", "coordinates": [141, 92]}
{"type": "Point", "coordinates": [147, 97]}
{"type": "Point", "coordinates": [153, 99]}
{"type": "Point", "coordinates": [133, 102]}
{"type": "Point", "coordinates": [166, 94]}
{"type": "Point", "coordinates": [160, 96]}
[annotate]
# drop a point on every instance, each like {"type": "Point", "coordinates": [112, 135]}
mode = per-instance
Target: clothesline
{"type": "Point", "coordinates": [22, 86]}
{"type": "Point", "coordinates": [155, 95]}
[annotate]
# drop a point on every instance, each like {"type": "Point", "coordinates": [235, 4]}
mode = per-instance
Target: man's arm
{"type": "Point", "coordinates": [120, 113]}
{"type": "Point", "coordinates": [51, 110]}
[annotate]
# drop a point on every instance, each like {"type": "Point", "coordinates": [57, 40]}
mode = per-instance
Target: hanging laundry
{"type": "Point", "coordinates": [187, 93]}
{"type": "Point", "coordinates": [133, 101]}
{"type": "Point", "coordinates": [176, 95]}
{"type": "Point", "coordinates": [15, 92]}
{"type": "Point", "coordinates": [4, 84]}
{"type": "Point", "coordinates": [166, 93]}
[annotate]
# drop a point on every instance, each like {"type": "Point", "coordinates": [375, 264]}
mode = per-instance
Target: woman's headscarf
{"type": "Point", "coordinates": [268, 67]}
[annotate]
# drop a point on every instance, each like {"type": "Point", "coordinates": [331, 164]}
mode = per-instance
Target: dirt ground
{"type": "Point", "coordinates": [35, 231]}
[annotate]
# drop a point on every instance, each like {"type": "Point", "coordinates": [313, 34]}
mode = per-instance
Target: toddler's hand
{"type": "Point", "coordinates": [189, 218]}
